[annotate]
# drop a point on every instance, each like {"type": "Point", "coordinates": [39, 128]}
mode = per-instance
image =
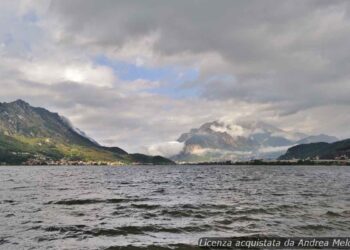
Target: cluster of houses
{"type": "Point", "coordinates": [64, 162]}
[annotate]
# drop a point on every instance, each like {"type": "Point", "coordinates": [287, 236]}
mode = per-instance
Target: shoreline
{"type": "Point", "coordinates": [227, 163]}
{"type": "Point", "coordinates": [277, 163]}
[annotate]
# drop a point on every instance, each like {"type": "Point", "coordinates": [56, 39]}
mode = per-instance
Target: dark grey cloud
{"type": "Point", "coordinates": [277, 51]}
{"type": "Point", "coordinates": [284, 61]}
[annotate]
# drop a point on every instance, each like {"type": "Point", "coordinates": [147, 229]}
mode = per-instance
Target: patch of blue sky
{"type": "Point", "coordinates": [171, 78]}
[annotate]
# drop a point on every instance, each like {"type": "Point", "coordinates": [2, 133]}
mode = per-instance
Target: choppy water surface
{"type": "Point", "coordinates": [155, 207]}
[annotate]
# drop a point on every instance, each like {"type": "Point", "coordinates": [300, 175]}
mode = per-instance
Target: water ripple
{"type": "Point", "coordinates": [168, 207]}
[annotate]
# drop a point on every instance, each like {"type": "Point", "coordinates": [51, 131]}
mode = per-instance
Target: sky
{"type": "Point", "coordinates": [138, 74]}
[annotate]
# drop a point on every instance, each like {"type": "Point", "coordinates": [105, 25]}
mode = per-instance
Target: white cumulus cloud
{"type": "Point", "coordinates": [166, 149]}
{"type": "Point", "coordinates": [47, 72]}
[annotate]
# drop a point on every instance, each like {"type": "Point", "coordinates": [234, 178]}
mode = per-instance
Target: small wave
{"type": "Point", "coordinates": [78, 230]}
{"type": "Point", "coordinates": [115, 231]}
{"type": "Point", "coordinates": [160, 191]}
{"type": "Point", "coordinates": [155, 247]}
{"type": "Point", "coordinates": [3, 241]}
{"type": "Point", "coordinates": [316, 227]}
{"type": "Point", "coordinates": [333, 214]}
{"type": "Point", "coordinates": [177, 213]}
{"type": "Point", "coordinates": [63, 229]}
{"type": "Point", "coordinates": [244, 218]}
{"type": "Point", "coordinates": [90, 201]}
{"type": "Point", "coordinates": [225, 221]}
{"type": "Point", "coordinates": [189, 206]}
{"type": "Point", "coordinates": [278, 194]}
{"type": "Point", "coordinates": [346, 213]}
{"type": "Point", "coordinates": [147, 229]}
{"type": "Point", "coordinates": [31, 222]}
{"type": "Point", "coordinates": [149, 215]}
{"type": "Point", "coordinates": [159, 182]}
{"type": "Point", "coordinates": [248, 179]}
{"type": "Point", "coordinates": [77, 214]}
{"type": "Point", "coordinates": [308, 194]}
{"type": "Point", "coordinates": [145, 206]}
{"type": "Point", "coordinates": [252, 211]}
{"type": "Point", "coordinates": [267, 210]}
{"type": "Point", "coordinates": [19, 188]}
{"type": "Point", "coordinates": [8, 201]}
{"type": "Point", "coordinates": [205, 206]}
{"type": "Point", "coordinates": [287, 206]}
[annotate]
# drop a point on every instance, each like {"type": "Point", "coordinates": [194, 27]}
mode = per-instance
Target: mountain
{"type": "Point", "coordinates": [320, 150]}
{"type": "Point", "coordinates": [318, 138]}
{"type": "Point", "coordinates": [35, 135]}
{"type": "Point", "coordinates": [241, 140]}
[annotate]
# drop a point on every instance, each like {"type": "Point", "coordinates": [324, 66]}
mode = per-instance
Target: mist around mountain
{"type": "Point", "coordinates": [240, 140]}
{"type": "Point", "coordinates": [35, 135]}
{"type": "Point", "coordinates": [318, 138]}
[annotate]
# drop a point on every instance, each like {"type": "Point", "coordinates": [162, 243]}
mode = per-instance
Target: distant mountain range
{"type": "Point", "coordinates": [35, 135]}
{"type": "Point", "coordinates": [320, 150]}
{"type": "Point", "coordinates": [218, 141]}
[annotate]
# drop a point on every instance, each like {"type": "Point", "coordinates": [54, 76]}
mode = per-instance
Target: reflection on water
{"type": "Point", "coordinates": [160, 207]}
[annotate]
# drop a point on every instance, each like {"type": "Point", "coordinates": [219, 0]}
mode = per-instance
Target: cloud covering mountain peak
{"type": "Point", "coordinates": [239, 139]}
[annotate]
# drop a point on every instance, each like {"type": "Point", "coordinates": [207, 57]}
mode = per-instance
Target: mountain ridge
{"type": "Point", "coordinates": [35, 135]}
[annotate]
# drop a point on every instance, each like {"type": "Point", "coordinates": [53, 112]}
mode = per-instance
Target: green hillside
{"type": "Point", "coordinates": [319, 150]}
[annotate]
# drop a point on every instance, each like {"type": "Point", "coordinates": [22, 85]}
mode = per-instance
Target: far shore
{"type": "Point", "coordinates": [326, 162]}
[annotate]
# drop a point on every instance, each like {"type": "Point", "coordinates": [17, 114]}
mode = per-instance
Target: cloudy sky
{"type": "Point", "coordinates": [139, 73]}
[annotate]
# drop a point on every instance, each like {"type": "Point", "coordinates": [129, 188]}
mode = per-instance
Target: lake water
{"type": "Point", "coordinates": [160, 207]}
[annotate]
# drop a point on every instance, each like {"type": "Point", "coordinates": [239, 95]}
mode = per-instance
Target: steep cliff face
{"type": "Point", "coordinates": [20, 119]}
